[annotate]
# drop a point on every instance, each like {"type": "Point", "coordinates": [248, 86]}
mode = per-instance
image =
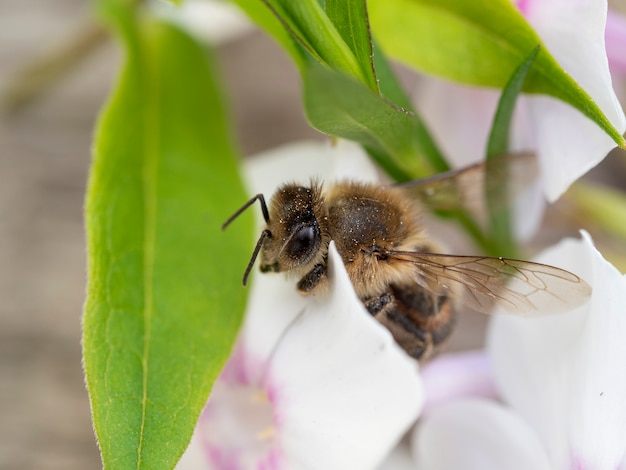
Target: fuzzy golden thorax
{"type": "Point", "coordinates": [364, 218]}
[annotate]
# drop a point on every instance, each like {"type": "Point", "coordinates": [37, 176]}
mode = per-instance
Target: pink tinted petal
{"type": "Point", "coordinates": [474, 434]}
{"type": "Point", "coordinates": [346, 393]}
{"type": "Point", "coordinates": [569, 144]}
{"type": "Point", "coordinates": [615, 37]}
{"type": "Point", "coordinates": [458, 375]}
{"type": "Point", "coordinates": [565, 373]}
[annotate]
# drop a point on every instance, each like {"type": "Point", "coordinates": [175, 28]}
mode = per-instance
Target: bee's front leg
{"type": "Point", "coordinates": [413, 339]}
{"type": "Point", "coordinates": [409, 336]}
{"type": "Point", "coordinates": [377, 304]}
{"type": "Point", "coordinates": [312, 279]}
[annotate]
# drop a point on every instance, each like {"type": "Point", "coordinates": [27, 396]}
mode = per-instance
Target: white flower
{"type": "Point", "coordinates": [211, 21]}
{"type": "Point", "coordinates": [476, 434]}
{"type": "Point", "coordinates": [315, 382]}
{"type": "Point", "coordinates": [562, 379]}
{"type": "Point", "coordinates": [568, 143]}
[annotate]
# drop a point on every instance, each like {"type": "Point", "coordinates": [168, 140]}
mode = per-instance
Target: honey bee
{"type": "Point", "coordinates": [397, 270]}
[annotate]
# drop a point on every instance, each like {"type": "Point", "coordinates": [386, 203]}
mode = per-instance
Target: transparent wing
{"type": "Point", "coordinates": [505, 178]}
{"type": "Point", "coordinates": [520, 287]}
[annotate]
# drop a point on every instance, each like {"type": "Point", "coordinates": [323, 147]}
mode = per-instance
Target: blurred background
{"type": "Point", "coordinates": [44, 159]}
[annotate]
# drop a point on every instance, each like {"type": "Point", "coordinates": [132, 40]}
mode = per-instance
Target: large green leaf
{"type": "Point", "coordinates": [478, 43]}
{"type": "Point", "coordinates": [164, 294]}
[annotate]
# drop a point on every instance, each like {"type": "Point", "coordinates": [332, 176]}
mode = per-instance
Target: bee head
{"type": "Point", "coordinates": [292, 238]}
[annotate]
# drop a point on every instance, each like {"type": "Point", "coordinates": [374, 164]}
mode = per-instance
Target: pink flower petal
{"type": "Point", "coordinates": [457, 375]}
{"type": "Point", "coordinates": [615, 37]}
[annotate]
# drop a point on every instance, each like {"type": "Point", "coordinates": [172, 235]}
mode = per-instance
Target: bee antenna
{"type": "Point", "coordinates": [266, 233]}
{"type": "Point", "coordinates": [261, 199]}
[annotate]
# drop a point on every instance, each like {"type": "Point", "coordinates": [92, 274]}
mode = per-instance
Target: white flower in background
{"type": "Point", "coordinates": [476, 434]}
{"type": "Point", "coordinates": [567, 143]}
{"type": "Point", "coordinates": [210, 21]}
{"type": "Point", "coordinates": [314, 382]}
{"type": "Point", "coordinates": [562, 379]}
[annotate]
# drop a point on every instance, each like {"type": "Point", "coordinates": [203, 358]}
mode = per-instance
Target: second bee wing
{"type": "Point", "coordinates": [499, 180]}
{"type": "Point", "coordinates": [520, 287]}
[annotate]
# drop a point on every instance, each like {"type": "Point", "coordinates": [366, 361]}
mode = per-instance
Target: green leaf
{"type": "Point", "coordinates": [309, 24]}
{"type": "Point", "coordinates": [497, 145]}
{"type": "Point", "coordinates": [399, 151]}
{"type": "Point", "coordinates": [391, 89]}
{"type": "Point", "coordinates": [350, 19]}
{"type": "Point", "coordinates": [164, 297]}
{"type": "Point", "coordinates": [340, 106]}
{"type": "Point", "coordinates": [476, 43]}
{"type": "Point", "coordinates": [498, 141]}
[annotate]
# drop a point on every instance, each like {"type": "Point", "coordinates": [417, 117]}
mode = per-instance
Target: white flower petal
{"type": "Point", "coordinates": [474, 434]}
{"type": "Point", "coordinates": [194, 457]}
{"type": "Point", "coordinates": [345, 392]}
{"type": "Point", "coordinates": [570, 144]}
{"type": "Point", "coordinates": [273, 305]}
{"type": "Point", "coordinates": [305, 160]}
{"type": "Point", "coordinates": [400, 458]}
{"type": "Point", "coordinates": [565, 373]}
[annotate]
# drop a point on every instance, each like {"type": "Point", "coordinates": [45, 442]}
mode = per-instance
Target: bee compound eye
{"type": "Point", "coordinates": [304, 242]}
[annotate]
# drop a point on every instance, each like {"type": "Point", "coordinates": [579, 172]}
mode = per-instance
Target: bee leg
{"type": "Point", "coordinates": [414, 340]}
{"type": "Point", "coordinates": [312, 279]}
{"type": "Point", "coordinates": [377, 304]}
